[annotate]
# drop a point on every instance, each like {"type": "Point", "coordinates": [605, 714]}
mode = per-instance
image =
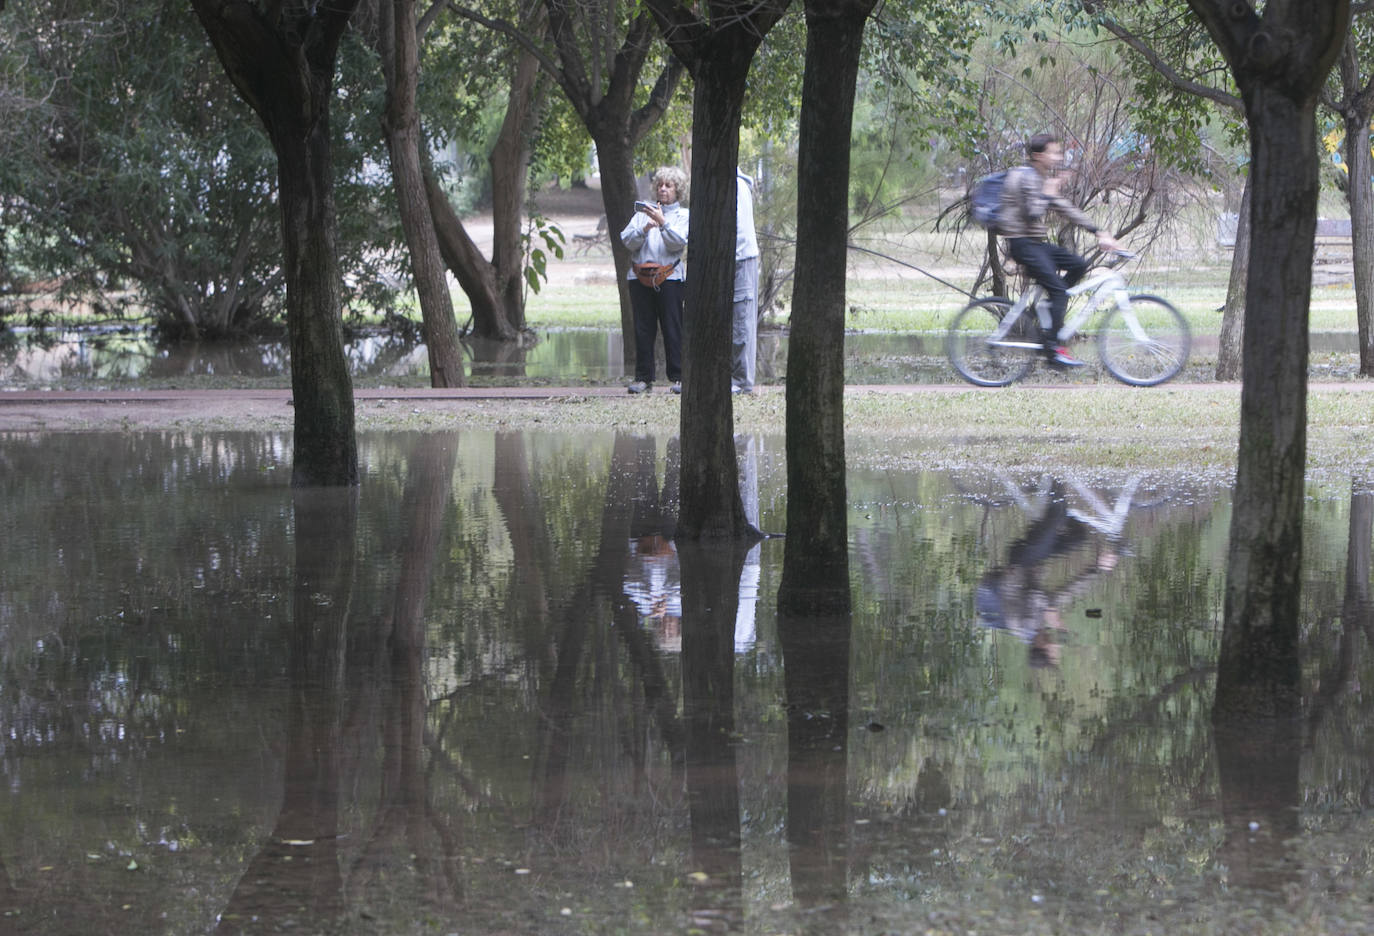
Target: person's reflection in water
{"type": "Point", "coordinates": [1023, 598]}
{"type": "Point", "coordinates": [747, 452]}
{"type": "Point", "coordinates": [652, 574]}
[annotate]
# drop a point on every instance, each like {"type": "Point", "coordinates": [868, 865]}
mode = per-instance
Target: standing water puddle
{"type": "Point", "coordinates": [484, 694]}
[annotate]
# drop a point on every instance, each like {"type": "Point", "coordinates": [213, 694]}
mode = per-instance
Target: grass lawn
{"type": "Point", "coordinates": [901, 299]}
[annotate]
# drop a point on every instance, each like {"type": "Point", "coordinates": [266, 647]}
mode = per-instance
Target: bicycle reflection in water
{"type": "Point", "coordinates": [1068, 544]}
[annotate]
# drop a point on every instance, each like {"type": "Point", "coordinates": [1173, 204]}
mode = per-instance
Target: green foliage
{"type": "Point", "coordinates": [1185, 129]}
{"type": "Point", "coordinates": [562, 148]}
{"type": "Point", "coordinates": [772, 101]}
{"type": "Point", "coordinates": [462, 97]}
{"type": "Point", "coordinates": [139, 179]}
{"type": "Point", "coordinates": [537, 258]}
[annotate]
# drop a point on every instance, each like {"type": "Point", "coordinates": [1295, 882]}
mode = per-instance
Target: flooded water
{"type": "Point", "coordinates": [564, 356]}
{"type": "Point", "coordinates": [569, 356]}
{"type": "Point", "coordinates": [484, 693]}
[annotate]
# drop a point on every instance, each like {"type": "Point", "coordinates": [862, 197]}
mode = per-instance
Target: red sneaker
{"type": "Point", "coordinates": [1061, 356]}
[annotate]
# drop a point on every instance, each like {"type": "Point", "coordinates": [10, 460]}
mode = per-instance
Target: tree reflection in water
{"type": "Point", "coordinates": [814, 631]}
{"type": "Point", "coordinates": [461, 684]}
{"type": "Point", "coordinates": [295, 879]}
{"type": "Point", "coordinates": [409, 855]}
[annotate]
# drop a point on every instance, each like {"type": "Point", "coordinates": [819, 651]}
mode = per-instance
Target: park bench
{"type": "Point", "coordinates": [585, 242]}
{"type": "Point", "coordinates": [1332, 241]}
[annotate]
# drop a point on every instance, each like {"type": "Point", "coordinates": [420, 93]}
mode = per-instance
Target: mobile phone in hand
{"type": "Point", "coordinates": [642, 206]}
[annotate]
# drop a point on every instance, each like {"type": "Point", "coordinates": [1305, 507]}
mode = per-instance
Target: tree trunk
{"type": "Point", "coordinates": [1258, 672]}
{"type": "Point", "coordinates": [817, 511]}
{"type": "Point", "coordinates": [1233, 313]}
{"type": "Point", "coordinates": [326, 450]}
{"type": "Point", "coordinates": [475, 275]}
{"type": "Point", "coordinates": [510, 161]}
{"type": "Point", "coordinates": [1280, 59]}
{"type": "Point", "coordinates": [711, 504]}
{"type": "Point", "coordinates": [1361, 197]}
{"type": "Point", "coordinates": [289, 82]}
{"type": "Point", "coordinates": [995, 270]}
{"type": "Point", "coordinates": [401, 66]}
{"type": "Point", "coordinates": [615, 158]}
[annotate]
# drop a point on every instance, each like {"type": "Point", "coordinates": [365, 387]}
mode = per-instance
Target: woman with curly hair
{"type": "Point", "coordinates": [657, 239]}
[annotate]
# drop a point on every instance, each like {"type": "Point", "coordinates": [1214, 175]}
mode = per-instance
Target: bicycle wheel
{"type": "Point", "coordinates": [968, 344]}
{"type": "Point", "coordinates": [1144, 344]}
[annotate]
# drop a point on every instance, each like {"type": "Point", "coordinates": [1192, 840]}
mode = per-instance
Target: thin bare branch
{"type": "Point", "coordinates": [1170, 74]}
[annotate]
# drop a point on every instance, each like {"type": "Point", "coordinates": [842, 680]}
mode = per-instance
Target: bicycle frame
{"type": "Point", "coordinates": [1100, 282]}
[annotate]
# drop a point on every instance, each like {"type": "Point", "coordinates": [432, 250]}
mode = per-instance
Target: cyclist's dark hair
{"type": "Point", "coordinates": [1039, 142]}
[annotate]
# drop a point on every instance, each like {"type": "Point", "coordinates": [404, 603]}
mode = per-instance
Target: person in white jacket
{"type": "Point", "coordinates": [656, 238]}
{"type": "Point", "coordinates": [744, 332]}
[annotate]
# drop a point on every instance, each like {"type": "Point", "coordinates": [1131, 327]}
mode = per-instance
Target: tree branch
{"type": "Point", "coordinates": [681, 29]}
{"type": "Point", "coordinates": [664, 89]}
{"type": "Point", "coordinates": [506, 28]}
{"type": "Point", "coordinates": [428, 17]}
{"type": "Point", "coordinates": [1168, 72]}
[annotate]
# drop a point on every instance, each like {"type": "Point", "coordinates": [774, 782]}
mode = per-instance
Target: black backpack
{"type": "Point", "coordinates": [985, 199]}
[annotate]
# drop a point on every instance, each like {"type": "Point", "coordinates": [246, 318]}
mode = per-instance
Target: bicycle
{"type": "Point", "coordinates": [1142, 340]}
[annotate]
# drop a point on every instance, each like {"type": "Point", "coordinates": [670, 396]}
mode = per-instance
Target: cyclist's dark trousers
{"type": "Point", "coordinates": [1043, 261]}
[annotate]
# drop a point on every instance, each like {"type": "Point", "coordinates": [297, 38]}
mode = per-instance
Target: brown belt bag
{"type": "Point", "coordinates": [653, 274]}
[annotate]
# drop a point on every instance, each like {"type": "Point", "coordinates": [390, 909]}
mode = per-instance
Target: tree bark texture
{"type": "Point", "coordinates": [817, 505]}
{"type": "Point", "coordinates": [711, 504]}
{"type": "Point", "coordinates": [615, 157]}
{"type": "Point", "coordinates": [510, 161]}
{"type": "Point", "coordinates": [401, 66]}
{"type": "Point", "coordinates": [1233, 312]}
{"type": "Point", "coordinates": [1358, 108]}
{"type": "Point", "coordinates": [475, 275]}
{"type": "Point", "coordinates": [284, 69]}
{"type": "Point", "coordinates": [717, 50]}
{"type": "Point", "coordinates": [1280, 60]}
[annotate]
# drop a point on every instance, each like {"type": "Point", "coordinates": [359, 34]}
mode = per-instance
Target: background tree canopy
{"type": "Point", "coordinates": [133, 173]}
{"type": "Point", "coordinates": [132, 178]}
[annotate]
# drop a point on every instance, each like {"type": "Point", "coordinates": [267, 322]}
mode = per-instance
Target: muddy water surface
{"type": "Point", "coordinates": [486, 693]}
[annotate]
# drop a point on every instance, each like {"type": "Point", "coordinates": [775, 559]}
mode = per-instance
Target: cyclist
{"type": "Point", "coordinates": [1028, 195]}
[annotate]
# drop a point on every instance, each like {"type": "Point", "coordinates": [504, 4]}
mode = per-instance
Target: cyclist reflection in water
{"type": "Point", "coordinates": [1016, 597]}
